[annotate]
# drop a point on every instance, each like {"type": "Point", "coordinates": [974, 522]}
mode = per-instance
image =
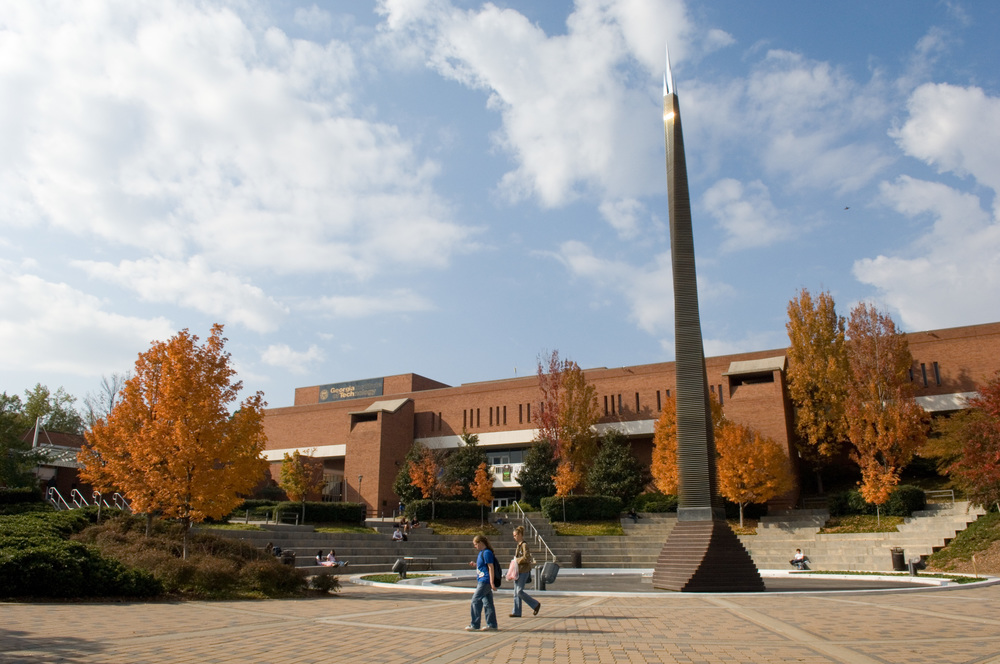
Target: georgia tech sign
{"type": "Point", "coordinates": [355, 389]}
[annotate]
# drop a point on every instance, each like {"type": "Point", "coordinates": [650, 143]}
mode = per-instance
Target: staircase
{"type": "Point", "coordinates": [776, 539]}
{"type": "Point", "coordinates": [920, 535]}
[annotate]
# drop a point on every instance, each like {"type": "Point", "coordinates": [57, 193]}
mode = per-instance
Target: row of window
{"type": "Point", "coordinates": [923, 373]}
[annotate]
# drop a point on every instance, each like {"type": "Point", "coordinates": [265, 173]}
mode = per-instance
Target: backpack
{"type": "Point", "coordinates": [497, 572]}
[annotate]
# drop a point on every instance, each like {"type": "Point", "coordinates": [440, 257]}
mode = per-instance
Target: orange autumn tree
{"type": "Point", "coordinates": [427, 474]}
{"type": "Point", "coordinates": [751, 468]}
{"type": "Point", "coordinates": [817, 378]}
{"type": "Point", "coordinates": [482, 487]}
{"type": "Point", "coordinates": [568, 412]}
{"type": "Point", "coordinates": [885, 424]}
{"type": "Point", "coordinates": [300, 476]}
{"type": "Point", "coordinates": [664, 464]}
{"type": "Point", "coordinates": [171, 444]}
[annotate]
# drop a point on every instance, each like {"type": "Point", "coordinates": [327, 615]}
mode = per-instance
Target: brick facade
{"type": "Point", "coordinates": [370, 436]}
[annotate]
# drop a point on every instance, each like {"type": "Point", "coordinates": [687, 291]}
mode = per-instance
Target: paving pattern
{"type": "Point", "coordinates": [372, 624]}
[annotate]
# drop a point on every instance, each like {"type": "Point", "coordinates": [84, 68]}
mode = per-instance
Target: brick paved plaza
{"type": "Point", "coordinates": [371, 624]}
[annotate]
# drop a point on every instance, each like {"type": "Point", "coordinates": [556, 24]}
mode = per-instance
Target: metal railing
{"type": "Point", "coordinates": [54, 497]}
{"type": "Point", "coordinates": [78, 498]}
{"type": "Point", "coordinates": [530, 527]}
{"type": "Point", "coordinates": [119, 501]}
{"type": "Point", "coordinates": [946, 494]}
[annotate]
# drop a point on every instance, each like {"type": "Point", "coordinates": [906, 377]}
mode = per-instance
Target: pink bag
{"type": "Point", "coordinates": [512, 572]}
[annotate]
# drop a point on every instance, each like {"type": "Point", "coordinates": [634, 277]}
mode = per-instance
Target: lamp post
{"type": "Point", "coordinates": [360, 500]}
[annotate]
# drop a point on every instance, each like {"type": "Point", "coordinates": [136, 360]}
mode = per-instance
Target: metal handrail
{"type": "Point", "coordinates": [534, 532]}
{"type": "Point", "coordinates": [54, 497]}
{"type": "Point", "coordinates": [99, 500]}
{"type": "Point", "coordinates": [942, 493]}
{"type": "Point", "coordinates": [120, 502]}
{"type": "Point", "coordinates": [78, 498]}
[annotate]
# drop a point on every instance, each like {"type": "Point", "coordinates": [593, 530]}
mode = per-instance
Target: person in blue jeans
{"type": "Point", "coordinates": [524, 560]}
{"type": "Point", "coordinates": [482, 599]}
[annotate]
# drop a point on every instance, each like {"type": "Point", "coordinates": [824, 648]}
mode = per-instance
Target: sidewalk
{"type": "Point", "coordinates": [367, 624]}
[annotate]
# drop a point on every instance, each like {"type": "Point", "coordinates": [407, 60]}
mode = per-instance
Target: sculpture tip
{"type": "Point", "coordinates": [668, 78]}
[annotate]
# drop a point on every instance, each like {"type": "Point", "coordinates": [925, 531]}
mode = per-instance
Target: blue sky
{"type": "Point", "coordinates": [452, 188]}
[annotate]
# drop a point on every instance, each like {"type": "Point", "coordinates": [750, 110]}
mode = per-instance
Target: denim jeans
{"type": "Point", "coordinates": [519, 594]}
{"type": "Point", "coordinates": [483, 599]}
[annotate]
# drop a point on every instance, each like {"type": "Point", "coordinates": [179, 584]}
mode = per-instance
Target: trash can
{"type": "Point", "coordinates": [898, 559]}
{"type": "Point", "coordinates": [577, 559]}
{"type": "Point", "coordinates": [399, 567]}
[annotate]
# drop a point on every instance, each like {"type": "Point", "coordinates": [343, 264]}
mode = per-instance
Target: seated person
{"type": "Point", "coordinates": [799, 560]}
{"type": "Point", "coordinates": [397, 535]}
{"type": "Point", "coordinates": [414, 523]}
{"type": "Point", "coordinates": [276, 551]}
{"type": "Point", "coordinates": [331, 560]}
{"type": "Point", "coordinates": [320, 558]}
{"type": "Point", "coordinates": [633, 515]}
{"type": "Point", "coordinates": [404, 525]}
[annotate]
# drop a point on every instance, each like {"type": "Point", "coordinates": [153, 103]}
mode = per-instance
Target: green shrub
{"type": "Point", "coordinates": [903, 501]}
{"type": "Point", "coordinates": [325, 582]}
{"type": "Point", "coordinates": [512, 508]}
{"type": "Point", "coordinates": [655, 502]}
{"type": "Point", "coordinates": [582, 508]}
{"type": "Point", "coordinates": [20, 495]}
{"type": "Point", "coordinates": [319, 512]}
{"type": "Point", "coordinates": [444, 509]}
{"type": "Point", "coordinates": [61, 568]}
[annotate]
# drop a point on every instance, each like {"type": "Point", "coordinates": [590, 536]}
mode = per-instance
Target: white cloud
{"type": "Point", "coordinates": [281, 355]}
{"type": "Point", "coordinates": [647, 290]}
{"type": "Point", "coordinates": [182, 128]}
{"type": "Point", "coordinates": [804, 117]}
{"type": "Point", "coordinates": [193, 284]}
{"type": "Point", "coordinates": [46, 326]}
{"type": "Point", "coordinates": [362, 306]}
{"type": "Point", "coordinates": [955, 129]}
{"type": "Point", "coordinates": [746, 214]}
{"type": "Point", "coordinates": [952, 272]}
{"type": "Point", "coordinates": [572, 119]}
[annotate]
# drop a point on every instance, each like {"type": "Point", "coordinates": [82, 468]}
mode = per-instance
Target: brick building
{"type": "Point", "coordinates": [362, 429]}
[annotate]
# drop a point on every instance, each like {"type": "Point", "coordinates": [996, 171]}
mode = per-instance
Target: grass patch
{"type": "Point", "coordinates": [949, 577]}
{"type": "Point", "coordinates": [226, 526]}
{"type": "Point", "coordinates": [749, 526]}
{"type": "Point", "coordinates": [976, 538]}
{"type": "Point", "coordinates": [343, 528]}
{"type": "Point", "coordinates": [862, 523]}
{"type": "Point", "coordinates": [469, 527]}
{"type": "Point", "coordinates": [589, 528]}
{"type": "Point", "coordinates": [391, 578]}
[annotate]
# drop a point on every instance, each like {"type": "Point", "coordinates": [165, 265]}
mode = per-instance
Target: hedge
{"type": "Point", "coordinates": [17, 495]}
{"type": "Point", "coordinates": [320, 512]}
{"type": "Point", "coordinates": [655, 502]}
{"type": "Point", "coordinates": [444, 509]}
{"type": "Point", "coordinates": [582, 508]}
{"type": "Point", "coordinates": [903, 501]}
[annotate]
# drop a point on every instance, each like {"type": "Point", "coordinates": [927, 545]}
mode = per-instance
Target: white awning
{"type": "Point", "coordinates": [766, 365]}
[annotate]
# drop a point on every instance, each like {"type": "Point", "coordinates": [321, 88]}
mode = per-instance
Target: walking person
{"type": "Point", "coordinates": [486, 583]}
{"type": "Point", "coordinates": [524, 562]}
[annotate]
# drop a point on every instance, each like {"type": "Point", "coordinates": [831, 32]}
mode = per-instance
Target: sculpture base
{"type": "Point", "coordinates": [705, 556]}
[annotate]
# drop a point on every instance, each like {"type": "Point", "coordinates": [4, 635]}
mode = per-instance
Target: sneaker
{"type": "Point", "coordinates": [535, 612]}
{"type": "Point", "coordinates": [489, 629]}
{"type": "Point", "coordinates": [515, 615]}
{"type": "Point", "coordinates": [471, 628]}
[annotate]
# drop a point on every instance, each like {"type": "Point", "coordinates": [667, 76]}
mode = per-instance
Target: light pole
{"type": "Point", "coordinates": [360, 500]}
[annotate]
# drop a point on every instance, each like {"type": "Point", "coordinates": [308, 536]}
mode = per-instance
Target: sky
{"type": "Point", "coordinates": [456, 188]}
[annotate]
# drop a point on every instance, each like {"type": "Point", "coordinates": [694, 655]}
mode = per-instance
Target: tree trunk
{"type": "Point", "coordinates": [149, 524]}
{"type": "Point", "coordinates": [186, 528]}
{"type": "Point", "coordinates": [741, 515]}
{"type": "Point", "coordinates": [819, 482]}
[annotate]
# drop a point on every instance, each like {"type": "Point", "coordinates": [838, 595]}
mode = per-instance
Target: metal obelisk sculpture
{"type": "Point", "coordinates": [702, 553]}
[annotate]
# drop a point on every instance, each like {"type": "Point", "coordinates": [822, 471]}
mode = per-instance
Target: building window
{"type": "Point", "coordinates": [923, 373]}
{"type": "Point", "coordinates": [659, 403]}
{"type": "Point", "coordinates": [619, 404]}
{"type": "Point", "coordinates": [911, 374]}
{"type": "Point", "coordinates": [711, 388]}
{"type": "Point", "coordinates": [477, 418]}
{"type": "Point", "coordinates": [505, 415]}
{"type": "Point", "coordinates": [720, 395]}
{"type": "Point", "coordinates": [529, 413]}
{"type": "Point", "coordinates": [520, 413]}
{"type": "Point", "coordinates": [491, 415]}
{"type": "Point", "coordinates": [605, 404]}
{"type": "Point", "coordinates": [612, 404]}
{"type": "Point", "coordinates": [440, 422]}
{"type": "Point", "coordinates": [937, 373]}
{"type": "Point", "coordinates": [668, 394]}
{"type": "Point", "coordinates": [637, 402]}
{"type": "Point", "coordinates": [465, 423]}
